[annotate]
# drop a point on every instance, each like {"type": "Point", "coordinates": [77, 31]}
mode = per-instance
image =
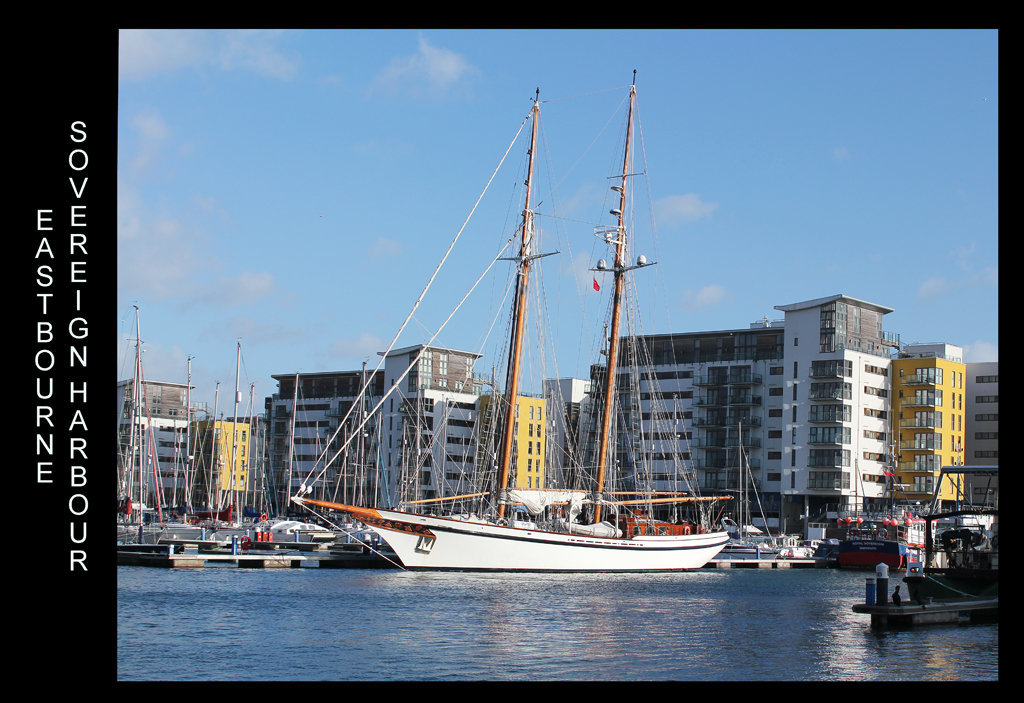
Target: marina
{"type": "Point", "coordinates": [395, 625]}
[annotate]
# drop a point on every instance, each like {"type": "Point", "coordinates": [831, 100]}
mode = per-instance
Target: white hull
{"type": "Point", "coordinates": [431, 542]}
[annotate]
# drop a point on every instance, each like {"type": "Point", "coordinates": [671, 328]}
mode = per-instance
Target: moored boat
{"type": "Point", "coordinates": [495, 541]}
{"type": "Point", "coordinates": [961, 554]}
{"type": "Point", "coordinates": [891, 540]}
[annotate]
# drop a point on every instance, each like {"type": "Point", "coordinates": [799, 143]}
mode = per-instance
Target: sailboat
{"type": "Point", "coordinates": [745, 540]}
{"type": "Point", "coordinates": [468, 542]}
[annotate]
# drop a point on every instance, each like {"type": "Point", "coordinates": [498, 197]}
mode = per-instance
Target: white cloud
{"type": "Point", "coordinates": [707, 296]}
{"type": "Point", "coordinates": [365, 346]}
{"type": "Point", "coordinates": [152, 132]}
{"type": "Point", "coordinates": [246, 288]}
{"type": "Point", "coordinates": [430, 70]}
{"type": "Point", "coordinates": [840, 153]}
{"type": "Point", "coordinates": [933, 288]}
{"type": "Point", "coordinates": [256, 51]}
{"type": "Point", "coordinates": [384, 248]}
{"type": "Point", "coordinates": [971, 276]}
{"type": "Point", "coordinates": [683, 208]}
{"type": "Point", "coordinates": [981, 351]}
{"type": "Point", "coordinates": [143, 53]}
{"type": "Point", "coordinates": [157, 256]}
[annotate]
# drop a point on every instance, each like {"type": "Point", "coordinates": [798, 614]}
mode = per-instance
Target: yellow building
{"type": "Point", "coordinates": [928, 417]}
{"type": "Point", "coordinates": [227, 452]}
{"type": "Point", "coordinates": [528, 443]}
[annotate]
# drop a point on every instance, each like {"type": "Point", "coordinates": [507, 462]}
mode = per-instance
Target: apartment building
{"type": "Point", "coordinates": [428, 425]}
{"type": "Point", "coordinates": [790, 416]}
{"type": "Point", "coordinates": [928, 414]}
{"type": "Point", "coordinates": [567, 400]}
{"type": "Point", "coordinates": [309, 437]}
{"type": "Point", "coordinates": [152, 433]}
{"type": "Point", "coordinates": [981, 427]}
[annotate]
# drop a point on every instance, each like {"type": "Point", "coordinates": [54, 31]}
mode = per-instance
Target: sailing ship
{"type": "Point", "coordinates": [629, 542]}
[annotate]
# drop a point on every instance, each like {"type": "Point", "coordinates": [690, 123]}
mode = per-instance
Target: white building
{"type": "Point", "coordinates": [836, 407]}
{"type": "Point", "coordinates": [152, 446]}
{"type": "Point", "coordinates": [566, 400]}
{"type": "Point", "coordinates": [428, 423]}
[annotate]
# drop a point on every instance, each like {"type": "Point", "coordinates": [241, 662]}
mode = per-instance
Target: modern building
{"type": "Point", "coordinates": [928, 416]}
{"type": "Point", "coordinates": [981, 427]}
{"type": "Point", "coordinates": [153, 441]}
{"type": "Point", "coordinates": [836, 434]}
{"type": "Point", "coordinates": [566, 400]}
{"type": "Point", "coordinates": [802, 419]}
{"type": "Point", "coordinates": [789, 416]}
{"type": "Point", "coordinates": [316, 435]}
{"type": "Point", "coordinates": [710, 400]}
{"type": "Point", "coordinates": [529, 440]}
{"type": "Point", "coordinates": [428, 426]}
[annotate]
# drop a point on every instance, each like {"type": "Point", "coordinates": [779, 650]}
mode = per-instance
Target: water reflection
{"type": "Point", "coordinates": [715, 625]}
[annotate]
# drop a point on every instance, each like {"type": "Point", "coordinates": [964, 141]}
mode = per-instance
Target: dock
{"type": "Point", "coordinates": [766, 564]}
{"type": "Point", "coordinates": [936, 611]}
{"type": "Point", "coordinates": [183, 554]}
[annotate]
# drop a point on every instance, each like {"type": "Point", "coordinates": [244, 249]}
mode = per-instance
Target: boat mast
{"type": "Point", "coordinates": [188, 437]}
{"type": "Point", "coordinates": [519, 316]}
{"type": "Point", "coordinates": [232, 477]}
{"type": "Point", "coordinates": [137, 396]}
{"type": "Point", "coordinates": [613, 342]}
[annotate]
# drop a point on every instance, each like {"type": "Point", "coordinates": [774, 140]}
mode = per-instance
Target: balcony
{"type": "Point", "coordinates": [921, 402]}
{"type": "Point", "coordinates": [922, 444]}
{"type": "Point", "coordinates": [726, 421]}
{"type": "Point", "coordinates": [920, 380]}
{"type": "Point", "coordinates": [745, 379]}
{"type": "Point", "coordinates": [931, 423]}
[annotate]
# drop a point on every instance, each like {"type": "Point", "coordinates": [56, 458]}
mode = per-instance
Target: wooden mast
{"type": "Point", "coordinates": [613, 342]}
{"type": "Point", "coordinates": [512, 384]}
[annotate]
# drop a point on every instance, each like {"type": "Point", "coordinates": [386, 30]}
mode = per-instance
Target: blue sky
{"type": "Point", "coordinates": [294, 190]}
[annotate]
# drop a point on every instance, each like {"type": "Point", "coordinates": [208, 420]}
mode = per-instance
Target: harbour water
{"type": "Point", "coordinates": [228, 624]}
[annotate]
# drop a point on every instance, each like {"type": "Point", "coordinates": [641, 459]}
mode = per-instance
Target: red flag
{"type": "Point", "coordinates": [596, 287]}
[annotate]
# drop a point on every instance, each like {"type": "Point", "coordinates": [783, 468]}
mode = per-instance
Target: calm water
{"type": "Point", "coordinates": [220, 624]}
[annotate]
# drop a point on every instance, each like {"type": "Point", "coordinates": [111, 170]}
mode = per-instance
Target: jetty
{"type": "Point", "coordinates": [766, 564]}
{"type": "Point", "coordinates": [935, 611]}
{"type": "Point", "coordinates": [186, 554]}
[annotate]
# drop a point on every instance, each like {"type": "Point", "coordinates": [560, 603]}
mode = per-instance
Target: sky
{"type": "Point", "coordinates": [291, 193]}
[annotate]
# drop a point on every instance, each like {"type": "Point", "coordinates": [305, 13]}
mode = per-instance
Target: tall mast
{"type": "Point", "coordinates": [188, 434]}
{"type": "Point", "coordinates": [519, 316]}
{"type": "Point", "coordinates": [291, 441]}
{"type": "Point", "coordinates": [213, 455]}
{"type": "Point", "coordinates": [232, 476]}
{"type": "Point", "coordinates": [137, 394]}
{"type": "Point", "coordinates": [613, 342]}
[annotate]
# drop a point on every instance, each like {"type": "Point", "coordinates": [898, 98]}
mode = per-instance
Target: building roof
{"type": "Point", "coordinates": [417, 347]}
{"type": "Point", "coordinates": [817, 302]}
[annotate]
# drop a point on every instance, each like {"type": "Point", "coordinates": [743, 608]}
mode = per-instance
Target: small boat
{"type": "Point", "coordinates": [882, 539]}
{"type": "Point", "coordinates": [747, 542]}
{"type": "Point", "coordinates": [794, 548]}
{"type": "Point", "coordinates": [297, 531]}
{"type": "Point", "coordinates": [961, 554]}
